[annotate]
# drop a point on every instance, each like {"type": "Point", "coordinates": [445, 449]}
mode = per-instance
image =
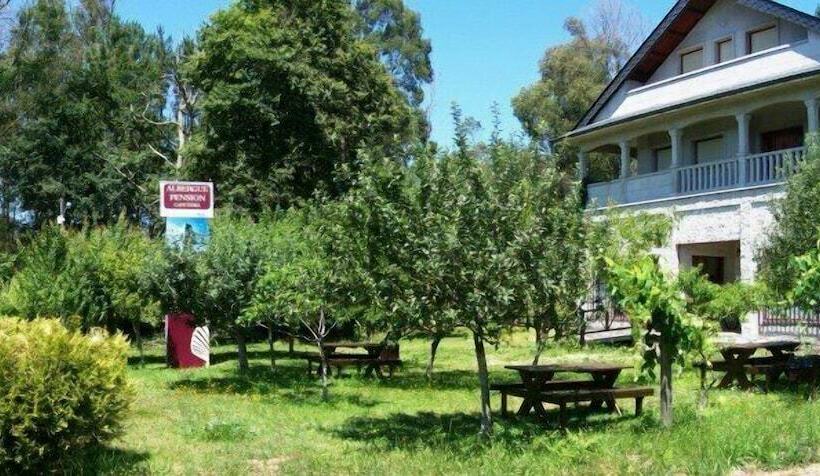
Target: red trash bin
{"type": "Point", "coordinates": [186, 345]}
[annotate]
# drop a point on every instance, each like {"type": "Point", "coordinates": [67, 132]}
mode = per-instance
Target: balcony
{"type": "Point", "coordinates": [737, 173]}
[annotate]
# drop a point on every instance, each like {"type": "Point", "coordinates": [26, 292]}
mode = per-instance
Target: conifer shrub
{"type": "Point", "coordinates": [61, 392]}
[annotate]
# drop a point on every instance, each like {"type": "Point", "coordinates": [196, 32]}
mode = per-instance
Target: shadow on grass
{"type": "Point", "coordinates": [458, 432]}
{"type": "Point", "coordinates": [290, 383]}
{"type": "Point", "coordinates": [222, 356]}
{"type": "Point", "coordinates": [105, 460]}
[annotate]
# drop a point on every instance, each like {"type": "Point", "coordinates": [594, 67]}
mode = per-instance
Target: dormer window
{"type": "Point", "coordinates": [762, 39]}
{"type": "Point", "coordinates": [724, 50]}
{"type": "Point", "coordinates": [691, 60]}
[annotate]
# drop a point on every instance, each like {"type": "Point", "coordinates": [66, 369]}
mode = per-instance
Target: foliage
{"type": "Point", "coordinates": [228, 270]}
{"type": "Point", "coordinates": [290, 95]}
{"type": "Point", "coordinates": [79, 114]}
{"type": "Point", "coordinates": [728, 304]}
{"type": "Point", "coordinates": [463, 239]}
{"type": "Point", "coordinates": [795, 231]}
{"type": "Point", "coordinates": [806, 292]}
{"type": "Point", "coordinates": [60, 392]}
{"type": "Point", "coordinates": [396, 32]}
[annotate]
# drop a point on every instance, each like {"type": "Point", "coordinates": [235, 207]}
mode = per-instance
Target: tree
{"type": "Point", "coordinates": [290, 95]}
{"type": "Point", "coordinates": [229, 269]}
{"type": "Point", "coordinates": [806, 292]}
{"type": "Point", "coordinates": [397, 34]}
{"type": "Point", "coordinates": [458, 240]}
{"type": "Point", "coordinates": [75, 101]}
{"type": "Point", "coordinates": [665, 331]}
{"type": "Point", "coordinates": [303, 292]}
{"type": "Point", "coordinates": [795, 231]}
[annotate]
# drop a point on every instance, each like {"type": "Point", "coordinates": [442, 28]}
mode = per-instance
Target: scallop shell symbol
{"type": "Point", "coordinates": [201, 344]}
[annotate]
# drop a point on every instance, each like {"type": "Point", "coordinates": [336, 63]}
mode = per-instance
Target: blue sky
{"type": "Point", "coordinates": [484, 51]}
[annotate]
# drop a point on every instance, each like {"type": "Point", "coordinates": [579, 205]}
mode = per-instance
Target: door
{"type": "Point", "coordinates": [782, 139]}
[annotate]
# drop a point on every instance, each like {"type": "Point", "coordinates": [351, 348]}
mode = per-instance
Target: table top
{"type": "Point", "coordinates": [585, 367]}
{"type": "Point", "coordinates": [353, 345]}
{"type": "Point", "coordinates": [771, 344]}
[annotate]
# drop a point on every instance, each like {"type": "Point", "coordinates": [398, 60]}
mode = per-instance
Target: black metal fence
{"type": "Point", "coordinates": [789, 321]}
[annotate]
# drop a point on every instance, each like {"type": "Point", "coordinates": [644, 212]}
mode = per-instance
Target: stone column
{"type": "Point", "coordinates": [676, 136]}
{"type": "Point", "coordinates": [583, 165]}
{"type": "Point", "coordinates": [813, 115]}
{"type": "Point", "coordinates": [743, 121]}
{"type": "Point", "coordinates": [625, 159]}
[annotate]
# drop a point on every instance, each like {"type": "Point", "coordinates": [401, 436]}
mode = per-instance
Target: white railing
{"type": "Point", "coordinates": [773, 166]}
{"type": "Point", "coordinates": [758, 169]}
{"type": "Point", "coordinates": [710, 176]}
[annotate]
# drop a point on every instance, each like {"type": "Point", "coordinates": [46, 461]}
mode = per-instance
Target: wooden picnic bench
{"type": "Point", "coordinates": [378, 357]}
{"type": "Point", "coordinates": [564, 397]}
{"type": "Point", "coordinates": [538, 387]}
{"type": "Point", "coordinates": [738, 362]}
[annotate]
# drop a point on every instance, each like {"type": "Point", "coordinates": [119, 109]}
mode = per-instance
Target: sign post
{"type": "Point", "coordinates": [187, 208]}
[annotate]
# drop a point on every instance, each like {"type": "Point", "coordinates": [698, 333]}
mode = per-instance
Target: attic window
{"type": "Point", "coordinates": [763, 39]}
{"type": "Point", "coordinates": [691, 60]}
{"type": "Point", "coordinates": [724, 50]}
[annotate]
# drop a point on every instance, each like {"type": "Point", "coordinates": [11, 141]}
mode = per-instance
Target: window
{"type": "Point", "coordinates": [782, 139]}
{"type": "Point", "coordinates": [691, 61]}
{"type": "Point", "coordinates": [709, 150]}
{"type": "Point", "coordinates": [663, 158]}
{"type": "Point", "coordinates": [712, 267]}
{"type": "Point", "coordinates": [724, 50]}
{"type": "Point", "coordinates": [763, 39]}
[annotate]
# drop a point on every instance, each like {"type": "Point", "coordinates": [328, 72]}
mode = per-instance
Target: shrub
{"type": "Point", "coordinates": [728, 304]}
{"type": "Point", "coordinates": [60, 392]}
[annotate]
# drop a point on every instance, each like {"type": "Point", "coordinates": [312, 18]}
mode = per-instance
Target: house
{"type": "Point", "coordinates": [707, 120]}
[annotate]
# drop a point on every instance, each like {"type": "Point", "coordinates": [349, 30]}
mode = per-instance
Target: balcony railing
{"type": "Point", "coordinates": [741, 172]}
{"type": "Point", "coordinates": [759, 169]}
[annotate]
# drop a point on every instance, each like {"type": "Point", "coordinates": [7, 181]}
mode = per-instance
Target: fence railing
{"type": "Point", "coordinates": [789, 321]}
{"type": "Point", "coordinates": [758, 169]}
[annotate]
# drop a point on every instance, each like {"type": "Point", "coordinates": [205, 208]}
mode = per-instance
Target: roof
{"type": "Point", "coordinates": [671, 31]}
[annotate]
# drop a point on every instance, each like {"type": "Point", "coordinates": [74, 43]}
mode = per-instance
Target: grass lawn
{"type": "Point", "coordinates": [213, 421]}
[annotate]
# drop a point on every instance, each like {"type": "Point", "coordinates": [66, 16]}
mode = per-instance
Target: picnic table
{"type": "Point", "coordinates": [537, 379]}
{"type": "Point", "coordinates": [738, 360]}
{"type": "Point", "coordinates": [378, 355]}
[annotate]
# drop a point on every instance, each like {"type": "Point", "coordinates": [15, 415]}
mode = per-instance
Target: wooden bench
{"type": "Point", "coordinates": [341, 361]}
{"type": "Point", "coordinates": [519, 390]}
{"type": "Point", "coordinates": [564, 397]}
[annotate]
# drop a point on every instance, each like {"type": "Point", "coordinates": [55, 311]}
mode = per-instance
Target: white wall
{"type": "Point", "coordinates": [726, 19]}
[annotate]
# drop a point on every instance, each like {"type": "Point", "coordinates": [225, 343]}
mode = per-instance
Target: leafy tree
{"type": "Point", "coordinates": [302, 292]}
{"type": "Point", "coordinates": [665, 331]}
{"type": "Point", "coordinates": [806, 292]}
{"type": "Point", "coordinates": [795, 231]}
{"type": "Point", "coordinates": [290, 95]}
{"type": "Point", "coordinates": [228, 270]}
{"type": "Point", "coordinates": [75, 99]}
{"type": "Point", "coordinates": [396, 32]}
{"type": "Point", "coordinates": [458, 240]}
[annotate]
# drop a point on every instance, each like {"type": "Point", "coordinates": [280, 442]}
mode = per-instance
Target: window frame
{"type": "Point", "coordinates": [656, 156]}
{"type": "Point", "coordinates": [761, 29]}
{"type": "Point", "coordinates": [695, 143]}
{"type": "Point", "coordinates": [690, 51]}
{"type": "Point", "coordinates": [722, 41]}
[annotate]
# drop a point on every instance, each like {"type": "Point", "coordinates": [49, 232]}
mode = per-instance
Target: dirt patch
{"type": "Point", "coordinates": [813, 470]}
{"type": "Point", "coordinates": [267, 467]}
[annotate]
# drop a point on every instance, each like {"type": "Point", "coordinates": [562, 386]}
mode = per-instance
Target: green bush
{"type": "Point", "coordinates": [60, 392]}
{"type": "Point", "coordinates": [728, 304]}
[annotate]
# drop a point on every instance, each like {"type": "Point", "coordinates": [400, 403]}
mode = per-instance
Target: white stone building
{"type": "Point", "coordinates": [708, 118]}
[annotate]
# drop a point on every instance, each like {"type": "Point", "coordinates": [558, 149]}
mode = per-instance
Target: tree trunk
{"type": "Point", "coordinates": [290, 346]}
{"type": "Point", "coordinates": [484, 383]}
{"type": "Point", "coordinates": [433, 349]}
{"type": "Point", "coordinates": [539, 341]}
{"type": "Point", "coordinates": [666, 382]}
{"type": "Point", "coordinates": [270, 346]}
{"type": "Point", "coordinates": [138, 340]}
{"type": "Point", "coordinates": [323, 371]}
{"type": "Point", "coordinates": [241, 350]}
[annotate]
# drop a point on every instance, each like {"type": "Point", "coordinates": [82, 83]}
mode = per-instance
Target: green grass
{"type": "Point", "coordinates": [214, 421]}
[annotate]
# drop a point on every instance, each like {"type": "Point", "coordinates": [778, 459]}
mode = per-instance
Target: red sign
{"type": "Point", "coordinates": [186, 199]}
